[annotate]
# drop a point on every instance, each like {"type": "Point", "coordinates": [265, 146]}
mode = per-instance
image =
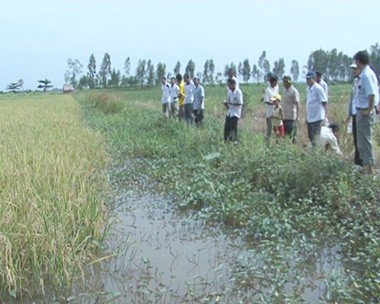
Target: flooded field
{"type": "Point", "coordinates": [157, 254]}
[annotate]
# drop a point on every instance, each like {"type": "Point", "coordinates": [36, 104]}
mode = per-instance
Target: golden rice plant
{"type": "Point", "coordinates": [51, 175]}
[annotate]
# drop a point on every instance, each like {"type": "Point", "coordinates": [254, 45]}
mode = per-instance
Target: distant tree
{"type": "Point", "coordinates": [256, 73]}
{"type": "Point", "coordinates": [279, 68]}
{"type": "Point", "coordinates": [246, 70]}
{"type": "Point", "coordinates": [240, 70]}
{"type": "Point", "coordinates": [91, 75]}
{"type": "Point", "coordinates": [219, 78]}
{"type": "Point", "coordinates": [127, 67]}
{"type": "Point", "coordinates": [208, 71]}
{"type": "Point", "coordinates": [318, 61]}
{"type": "Point", "coordinates": [374, 58]}
{"type": "Point", "coordinates": [150, 74]}
{"type": "Point", "coordinates": [190, 68]}
{"type": "Point", "coordinates": [295, 70]}
{"type": "Point", "coordinates": [177, 68]}
{"type": "Point", "coordinates": [160, 72]}
{"type": "Point", "coordinates": [264, 64]}
{"type": "Point", "coordinates": [141, 72]}
{"type": "Point", "coordinates": [84, 82]}
{"type": "Point", "coordinates": [74, 71]}
{"type": "Point", "coordinates": [105, 70]}
{"type": "Point", "coordinates": [13, 87]}
{"type": "Point", "coordinates": [45, 84]}
{"type": "Point", "coordinates": [21, 83]}
{"type": "Point", "coordinates": [115, 78]}
{"type": "Point", "coordinates": [232, 66]}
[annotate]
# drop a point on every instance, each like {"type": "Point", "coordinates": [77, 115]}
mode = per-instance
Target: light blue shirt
{"type": "Point", "coordinates": [315, 97]}
{"type": "Point", "coordinates": [199, 96]}
{"type": "Point", "coordinates": [367, 86]}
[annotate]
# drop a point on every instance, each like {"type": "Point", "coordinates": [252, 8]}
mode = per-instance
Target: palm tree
{"type": "Point", "coordinates": [45, 84]}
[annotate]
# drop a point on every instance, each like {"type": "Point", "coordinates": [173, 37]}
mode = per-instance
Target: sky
{"type": "Point", "coordinates": [39, 36]}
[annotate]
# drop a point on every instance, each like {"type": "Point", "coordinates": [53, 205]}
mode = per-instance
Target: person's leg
{"type": "Point", "coordinates": [314, 130]}
{"type": "Point", "coordinates": [181, 112]}
{"type": "Point", "coordinates": [226, 128]}
{"type": "Point", "coordinates": [234, 125]}
{"type": "Point", "coordinates": [269, 128]}
{"type": "Point", "coordinates": [364, 140]}
{"type": "Point", "coordinates": [357, 159]}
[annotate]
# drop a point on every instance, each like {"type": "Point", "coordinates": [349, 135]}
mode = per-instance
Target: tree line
{"type": "Point", "coordinates": [332, 64]}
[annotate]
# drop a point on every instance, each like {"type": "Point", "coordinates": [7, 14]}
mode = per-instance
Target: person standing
{"type": "Point", "coordinates": [232, 75]}
{"type": "Point", "coordinates": [199, 104]}
{"type": "Point", "coordinates": [316, 102]}
{"type": "Point", "coordinates": [277, 117]}
{"type": "Point", "coordinates": [291, 108]}
{"type": "Point", "coordinates": [270, 91]}
{"type": "Point", "coordinates": [189, 99]}
{"type": "Point", "coordinates": [351, 118]}
{"type": "Point", "coordinates": [174, 92]}
{"type": "Point", "coordinates": [365, 102]}
{"type": "Point", "coordinates": [181, 97]}
{"type": "Point", "coordinates": [165, 97]}
{"type": "Point", "coordinates": [323, 83]}
{"type": "Point", "coordinates": [234, 104]}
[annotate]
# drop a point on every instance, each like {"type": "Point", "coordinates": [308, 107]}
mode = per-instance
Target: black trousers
{"type": "Point", "coordinates": [358, 161]}
{"type": "Point", "coordinates": [230, 128]}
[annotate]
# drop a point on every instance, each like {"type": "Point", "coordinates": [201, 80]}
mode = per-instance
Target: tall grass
{"type": "Point", "coordinates": [288, 201]}
{"type": "Point", "coordinates": [50, 179]}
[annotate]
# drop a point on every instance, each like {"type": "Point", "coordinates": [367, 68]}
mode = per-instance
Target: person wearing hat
{"type": "Point", "coordinates": [351, 119]}
{"type": "Point", "coordinates": [290, 107]}
{"type": "Point", "coordinates": [277, 116]}
{"type": "Point", "coordinates": [365, 102]}
{"type": "Point", "coordinates": [316, 102]}
{"type": "Point", "coordinates": [270, 91]}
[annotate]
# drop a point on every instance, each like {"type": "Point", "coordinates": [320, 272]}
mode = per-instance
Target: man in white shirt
{"type": "Point", "coordinates": [165, 96]}
{"type": "Point", "coordinates": [232, 75]}
{"type": "Point", "coordinates": [199, 104]}
{"type": "Point", "coordinates": [316, 101]}
{"type": "Point", "coordinates": [323, 83]}
{"type": "Point", "coordinates": [189, 99]}
{"type": "Point", "coordinates": [328, 139]}
{"type": "Point", "coordinates": [270, 91]}
{"type": "Point", "coordinates": [174, 92]}
{"type": "Point", "coordinates": [234, 104]}
{"type": "Point", "coordinates": [366, 99]}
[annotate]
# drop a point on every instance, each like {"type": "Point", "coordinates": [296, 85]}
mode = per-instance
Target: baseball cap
{"type": "Point", "coordinates": [287, 79]}
{"type": "Point", "coordinates": [311, 75]}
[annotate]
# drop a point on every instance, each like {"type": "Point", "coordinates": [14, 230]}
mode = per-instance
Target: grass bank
{"type": "Point", "coordinates": [50, 182]}
{"type": "Point", "coordinates": [290, 204]}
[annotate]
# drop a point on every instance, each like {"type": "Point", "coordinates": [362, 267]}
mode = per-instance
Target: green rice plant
{"type": "Point", "coordinates": [51, 178]}
{"type": "Point", "coordinates": [105, 102]}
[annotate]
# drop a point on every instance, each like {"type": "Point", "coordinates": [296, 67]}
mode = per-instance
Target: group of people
{"type": "Point", "coordinates": [185, 99]}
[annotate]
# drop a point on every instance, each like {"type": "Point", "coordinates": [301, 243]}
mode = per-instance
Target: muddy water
{"type": "Point", "coordinates": [160, 256]}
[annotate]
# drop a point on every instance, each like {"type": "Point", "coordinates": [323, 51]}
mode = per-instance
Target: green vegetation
{"type": "Point", "coordinates": [51, 176]}
{"type": "Point", "coordinates": [291, 204]}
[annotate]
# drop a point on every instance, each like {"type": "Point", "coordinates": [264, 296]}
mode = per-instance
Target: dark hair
{"type": "Point", "coordinates": [319, 74]}
{"type": "Point", "coordinates": [187, 76]}
{"type": "Point", "coordinates": [362, 57]}
{"type": "Point", "coordinates": [231, 81]}
{"type": "Point", "coordinates": [196, 78]}
{"type": "Point", "coordinates": [178, 77]}
{"type": "Point", "coordinates": [273, 78]}
{"type": "Point", "coordinates": [334, 127]}
{"type": "Point", "coordinates": [173, 78]}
